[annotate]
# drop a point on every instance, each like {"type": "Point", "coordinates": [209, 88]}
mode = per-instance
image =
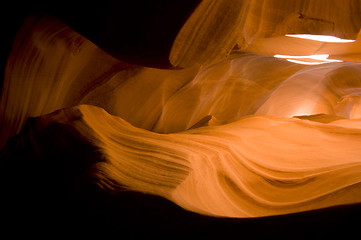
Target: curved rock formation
{"type": "Point", "coordinates": [220, 128]}
{"type": "Point", "coordinates": [273, 18]}
{"type": "Point", "coordinates": [231, 170]}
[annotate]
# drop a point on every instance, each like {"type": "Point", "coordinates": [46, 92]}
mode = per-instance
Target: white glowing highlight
{"type": "Point", "coordinates": [321, 38]}
{"type": "Point", "coordinates": [307, 60]}
{"type": "Point", "coordinates": [316, 56]}
{"type": "Point", "coordinates": [303, 62]}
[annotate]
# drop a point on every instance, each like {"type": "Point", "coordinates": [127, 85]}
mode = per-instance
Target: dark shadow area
{"type": "Point", "coordinates": [139, 31]}
{"type": "Point", "coordinates": [136, 31]}
{"type": "Point", "coordinates": [11, 17]}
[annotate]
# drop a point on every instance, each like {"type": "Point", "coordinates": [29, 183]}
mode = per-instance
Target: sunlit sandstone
{"type": "Point", "coordinates": [243, 135]}
{"type": "Point", "coordinates": [256, 166]}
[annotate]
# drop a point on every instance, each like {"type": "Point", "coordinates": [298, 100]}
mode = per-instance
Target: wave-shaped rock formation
{"type": "Point", "coordinates": [203, 118]}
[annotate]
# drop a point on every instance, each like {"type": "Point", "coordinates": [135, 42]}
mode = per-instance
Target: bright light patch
{"type": "Point", "coordinates": [308, 60]}
{"type": "Point", "coordinates": [316, 56]}
{"type": "Point", "coordinates": [304, 62]}
{"type": "Point", "coordinates": [321, 38]}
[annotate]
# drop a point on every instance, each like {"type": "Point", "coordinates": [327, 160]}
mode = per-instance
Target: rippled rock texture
{"type": "Point", "coordinates": [209, 121]}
